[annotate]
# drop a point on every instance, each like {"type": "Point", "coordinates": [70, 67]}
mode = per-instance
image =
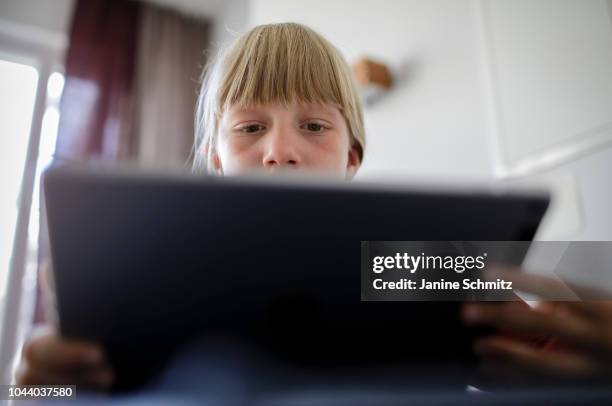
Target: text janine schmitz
{"type": "Point", "coordinates": [412, 263]}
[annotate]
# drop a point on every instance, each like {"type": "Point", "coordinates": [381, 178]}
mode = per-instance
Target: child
{"type": "Point", "coordinates": [280, 99]}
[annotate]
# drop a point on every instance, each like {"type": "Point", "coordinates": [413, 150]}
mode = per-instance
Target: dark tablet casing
{"type": "Point", "coordinates": [145, 263]}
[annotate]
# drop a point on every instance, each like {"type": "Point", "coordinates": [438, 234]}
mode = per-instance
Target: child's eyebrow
{"type": "Point", "coordinates": [243, 109]}
{"type": "Point", "coordinates": [325, 109]}
{"type": "Point", "coordinates": [238, 112]}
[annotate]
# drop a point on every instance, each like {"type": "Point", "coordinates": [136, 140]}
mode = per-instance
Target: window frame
{"type": "Point", "coordinates": [45, 53]}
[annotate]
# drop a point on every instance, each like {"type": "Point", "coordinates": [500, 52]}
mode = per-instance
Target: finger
{"type": "Point", "coordinates": [572, 330]}
{"type": "Point", "coordinates": [547, 307]}
{"type": "Point", "coordinates": [529, 336]}
{"type": "Point", "coordinates": [102, 377]}
{"type": "Point", "coordinates": [597, 310]}
{"type": "Point", "coordinates": [516, 354]}
{"type": "Point", "coordinates": [53, 352]}
{"type": "Point", "coordinates": [45, 276]}
{"type": "Point", "coordinates": [582, 300]}
{"type": "Point", "coordinates": [547, 287]}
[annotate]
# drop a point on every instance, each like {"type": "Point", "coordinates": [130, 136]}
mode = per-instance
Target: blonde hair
{"type": "Point", "coordinates": [274, 63]}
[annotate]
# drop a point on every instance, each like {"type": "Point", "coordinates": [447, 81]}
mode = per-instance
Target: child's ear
{"type": "Point", "coordinates": [353, 163]}
{"type": "Point", "coordinates": [216, 161]}
{"type": "Point", "coordinates": [217, 164]}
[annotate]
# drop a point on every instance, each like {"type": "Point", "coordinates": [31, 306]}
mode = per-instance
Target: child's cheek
{"type": "Point", "coordinates": [240, 152]}
{"type": "Point", "coordinates": [333, 150]}
{"type": "Point", "coordinates": [239, 144]}
{"type": "Point", "coordinates": [329, 159]}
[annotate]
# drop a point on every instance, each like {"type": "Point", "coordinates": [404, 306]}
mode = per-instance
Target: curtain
{"type": "Point", "coordinates": [169, 61]}
{"type": "Point", "coordinates": [131, 79]}
{"type": "Point", "coordinates": [97, 103]}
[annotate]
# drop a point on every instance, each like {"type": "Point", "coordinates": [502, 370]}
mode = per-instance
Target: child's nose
{"type": "Point", "coordinates": [281, 151]}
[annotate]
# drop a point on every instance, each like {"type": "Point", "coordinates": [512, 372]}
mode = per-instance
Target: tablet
{"type": "Point", "coordinates": [146, 262]}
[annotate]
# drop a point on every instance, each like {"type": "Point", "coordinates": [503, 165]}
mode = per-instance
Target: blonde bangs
{"type": "Point", "coordinates": [282, 64]}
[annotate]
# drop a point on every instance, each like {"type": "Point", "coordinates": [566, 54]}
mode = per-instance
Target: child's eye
{"type": "Point", "coordinates": [251, 128]}
{"type": "Point", "coordinates": [314, 127]}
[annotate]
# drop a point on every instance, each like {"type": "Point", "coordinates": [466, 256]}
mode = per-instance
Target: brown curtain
{"type": "Point", "coordinates": [131, 79]}
{"type": "Point", "coordinates": [169, 62]}
{"type": "Point", "coordinates": [96, 106]}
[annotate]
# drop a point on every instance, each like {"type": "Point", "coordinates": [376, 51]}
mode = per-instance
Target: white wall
{"type": "Point", "coordinates": [44, 21]}
{"type": "Point", "coordinates": [231, 20]}
{"type": "Point", "coordinates": [593, 178]}
{"type": "Point", "coordinates": [51, 15]}
{"type": "Point", "coordinates": [437, 122]}
{"type": "Point", "coordinates": [549, 79]}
